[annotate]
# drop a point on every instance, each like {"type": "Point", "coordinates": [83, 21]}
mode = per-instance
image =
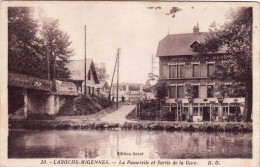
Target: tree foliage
{"type": "Point", "coordinates": [191, 92]}
{"type": "Point", "coordinates": [31, 41]}
{"type": "Point", "coordinates": [161, 90]}
{"type": "Point", "coordinates": [235, 36]}
{"type": "Point", "coordinates": [23, 44]}
{"type": "Point", "coordinates": [57, 47]}
{"type": "Point", "coordinates": [101, 73]}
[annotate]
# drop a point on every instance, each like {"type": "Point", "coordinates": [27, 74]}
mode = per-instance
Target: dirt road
{"type": "Point", "coordinates": [119, 115]}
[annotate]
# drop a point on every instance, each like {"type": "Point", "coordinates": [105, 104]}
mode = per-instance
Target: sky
{"type": "Point", "coordinates": [130, 26]}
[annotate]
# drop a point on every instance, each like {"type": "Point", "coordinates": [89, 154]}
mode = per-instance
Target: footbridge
{"type": "Point", "coordinates": [37, 95]}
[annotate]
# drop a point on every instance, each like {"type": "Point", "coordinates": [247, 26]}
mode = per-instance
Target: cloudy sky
{"type": "Point", "coordinates": [130, 26]}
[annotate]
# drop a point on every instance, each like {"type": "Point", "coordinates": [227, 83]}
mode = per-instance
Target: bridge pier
{"type": "Point", "coordinates": [25, 109]}
{"type": "Point", "coordinates": [40, 103]}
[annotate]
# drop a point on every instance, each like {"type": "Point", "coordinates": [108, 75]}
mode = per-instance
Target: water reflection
{"type": "Point", "coordinates": [122, 144]}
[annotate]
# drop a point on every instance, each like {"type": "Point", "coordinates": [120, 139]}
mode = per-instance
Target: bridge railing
{"type": "Point", "coordinates": [26, 81]}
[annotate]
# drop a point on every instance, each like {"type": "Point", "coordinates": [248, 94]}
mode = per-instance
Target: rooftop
{"type": "Point", "coordinates": [77, 67]}
{"type": "Point", "coordinates": [179, 44]}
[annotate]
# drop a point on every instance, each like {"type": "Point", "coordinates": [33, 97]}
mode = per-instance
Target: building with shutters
{"type": "Point", "coordinates": [128, 92]}
{"type": "Point", "coordinates": [181, 68]}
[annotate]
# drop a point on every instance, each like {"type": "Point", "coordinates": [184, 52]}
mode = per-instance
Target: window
{"type": "Point", "coordinates": [201, 111]}
{"type": "Point", "coordinates": [210, 91]}
{"type": "Point", "coordinates": [196, 89]}
{"type": "Point", "coordinates": [196, 72]}
{"type": "Point", "coordinates": [180, 92]}
{"type": "Point", "coordinates": [89, 75]}
{"type": "Point", "coordinates": [122, 88]}
{"type": "Point", "coordinates": [89, 90]}
{"type": "Point", "coordinates": [172, 71]}
{"type": "Point", "coordinates": [172, 92]}
{"type": "Point", "coordinates": [225, 111]}
{"type": "Point", "coordinates": [195, 111]}
{"type": "Point", "coordinates": [180, 71]}
{"type": "Point", "coordinates": [210, 70]}
{"type": "Point", "coordinates": [165, 71]}
{"type": "Point", "coordinates": [134, 88]}
{"type": "Point", "coordinates": [176, 71]}
{"type": "Point", "coordinates": [186, 109]}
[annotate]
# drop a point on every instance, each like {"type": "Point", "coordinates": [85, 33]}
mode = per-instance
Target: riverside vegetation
{"type": "Point", "coordinates": [142, 125]}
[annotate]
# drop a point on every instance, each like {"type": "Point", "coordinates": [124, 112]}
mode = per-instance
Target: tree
{"type": "Point", "coordinates": [30, 42]}
{"type": "Point", "coordinates": [161, 90]}
{"type": "Point", "coordinates": [56, 46]}
{"type": "Point", "coordinates": [23, 44]}
{"type": "Point", "coordinates": [101, 73]}
{"type": "Point", "coordinates": [236, 37]}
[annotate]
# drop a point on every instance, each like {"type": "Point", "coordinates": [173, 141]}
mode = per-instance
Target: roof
{"type": "Point", "coordinates": [151, 88]}
{"type": "Point", "coordinates": [102, 84]}
{"type": "Point", "coordinates": [77, 67]}
{"type": "Point", "coordinates": [179, 44]}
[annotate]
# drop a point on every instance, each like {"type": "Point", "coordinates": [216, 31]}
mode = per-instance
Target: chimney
{"type": "Point", "coordinates": [196, 29]}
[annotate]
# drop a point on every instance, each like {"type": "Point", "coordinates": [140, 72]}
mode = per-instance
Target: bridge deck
{"type": "Point", "coordinates": [25, 81]}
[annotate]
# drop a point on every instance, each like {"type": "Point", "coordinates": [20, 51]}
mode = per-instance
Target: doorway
{"type": "Point", "coordinates": [206, 113]}
{"type": "Point", "coordinates": [174, 113]}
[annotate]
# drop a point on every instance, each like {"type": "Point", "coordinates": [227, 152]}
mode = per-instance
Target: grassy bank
{"type": "Point", "coordinates": [92, 117]}
{"type": "Point", "coordinates": [142, 125]}
{"type": "Point", "coordinates": [83, 105]}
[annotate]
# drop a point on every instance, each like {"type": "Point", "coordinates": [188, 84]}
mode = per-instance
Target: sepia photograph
{"type": "Point", "coordinates": [130, 81]}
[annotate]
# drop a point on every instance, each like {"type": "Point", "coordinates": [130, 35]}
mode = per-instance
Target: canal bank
{"type": "Point", "coordinates": [133, 125]}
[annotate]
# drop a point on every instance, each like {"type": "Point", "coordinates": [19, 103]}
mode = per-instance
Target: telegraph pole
{"type": "Point", "coordinates": [85, 66]}
{"type": "Point", "coordinates": [48, 60]}
{"type": "Point", "coordinates": [109, 94]}
{"type": "Point", "coordinates": [117, 84]}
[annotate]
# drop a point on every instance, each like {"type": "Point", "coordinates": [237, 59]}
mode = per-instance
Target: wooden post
{"type": "Point", "coordinates": [117, 84]}
{"type": "Point", "coordinates": [111, 85]}
{"type": "Point", "coordinates": [85, 65]}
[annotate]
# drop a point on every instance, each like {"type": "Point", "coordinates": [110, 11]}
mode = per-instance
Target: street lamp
{"type": "Point", "coordinates": [220, 100]}
{"type": "Point", "coordinates": [220, 112]}
{"type": "Point", "coordinates": [236, 100]}
{"type": "Point", "coordinates": [178, 101]}
{"type": "Point", "coordinates": [190, 99]}
{"type": "Point", "coordinates": [211, 108]}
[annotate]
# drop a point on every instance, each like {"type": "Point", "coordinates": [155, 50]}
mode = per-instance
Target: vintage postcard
{"type": "Point", "coordinates": [100, 83]}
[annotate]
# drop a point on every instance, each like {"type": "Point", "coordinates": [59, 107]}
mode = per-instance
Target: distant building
{"type": "Point", "coordinates": [179, 68]}
{"type": "Point", "coordinates": [77, 76]}
{"type": "Point", "coordinates": [102, 89]}
{"type": "Point", "coordinates": [150, 92]}
{"type": "Point", "coordinates": [129, 92]}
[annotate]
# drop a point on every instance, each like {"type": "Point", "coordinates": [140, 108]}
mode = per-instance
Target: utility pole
{"type": "Point", "coordinates": [117, 84]}
{"type": "Point", "coordinates": [85, 66]}
{"type": "Point", "coordinates": [109, 94]}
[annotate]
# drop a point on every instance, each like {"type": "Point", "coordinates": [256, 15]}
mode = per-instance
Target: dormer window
{"type": "Point", "coordinates": [195, 46]}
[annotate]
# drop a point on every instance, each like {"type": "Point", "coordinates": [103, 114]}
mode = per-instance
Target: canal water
{"type": "Point", "coordinates": [128, 144]}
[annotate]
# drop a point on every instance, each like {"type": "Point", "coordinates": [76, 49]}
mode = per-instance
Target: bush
{"type": "Point", "coordinates": [84, 105]}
